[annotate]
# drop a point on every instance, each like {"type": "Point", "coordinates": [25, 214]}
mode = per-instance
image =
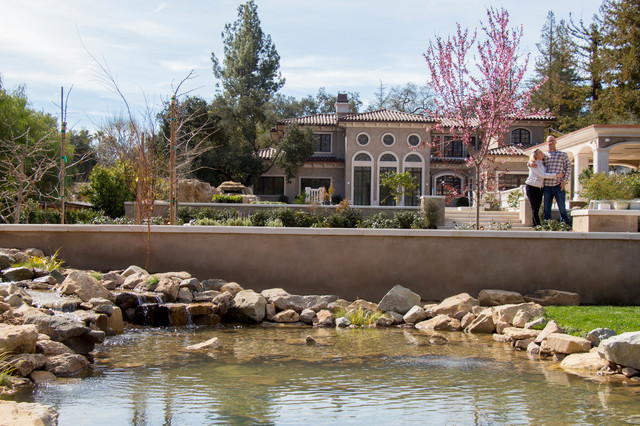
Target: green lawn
{"type": "Point", "coordinates": [579, 320]}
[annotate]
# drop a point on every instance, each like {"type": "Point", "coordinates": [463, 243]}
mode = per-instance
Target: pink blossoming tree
{"type": "Point", "coordinates": [482, 103]}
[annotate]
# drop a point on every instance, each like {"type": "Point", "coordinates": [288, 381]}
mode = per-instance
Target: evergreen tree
{"type": "Point", "coordinates": [561, 93]}
{"type": "Point", "coordinates": [620, 100]}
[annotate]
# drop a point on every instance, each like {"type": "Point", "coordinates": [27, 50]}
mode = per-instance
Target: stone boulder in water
{"type": "Point", "coordinates": [399, 299]}
{"type": "Point", "coordinates": [84, 286]}
{"type": "Point", "coordinates": [248, 306]}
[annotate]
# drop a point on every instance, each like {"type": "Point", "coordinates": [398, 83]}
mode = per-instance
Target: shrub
{"type": "Point", "coordinates": [431, 214]}
{"type": "Point", "coordinates": [226, 198]}
{"type": "Point", "coordinates": [361, 317]}
{"type": "Point", "coordinates": [344, 218]}
{"type": "Point", "coordinates": [404, 220]}
{"type": "Point", "coordinates": [307, 219]}
{"type": "Point", "coordinates": [286, 215]}
{"type": "Point", "coordinates": [108, 190]}
{"type": "Point", "coordinates": [553, 225]}
{"type": "Point", "coordinates": [377, 221]}
{"type": "Point", "coordinates": [259, 218]}
{"type": "Point", "coordinates": [48, 263]}
{"type": "Point", "coordinates": [605, 186]}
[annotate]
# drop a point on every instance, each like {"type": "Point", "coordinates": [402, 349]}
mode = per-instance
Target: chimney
{"type": "Point", "coordinates": [342, 105]}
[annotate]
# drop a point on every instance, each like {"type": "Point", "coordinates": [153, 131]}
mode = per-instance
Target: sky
{"type": "Point", "coordinates": [151, 46]}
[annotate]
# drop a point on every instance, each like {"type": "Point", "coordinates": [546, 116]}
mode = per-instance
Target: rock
{"type": "Point", "coordinates": [415, 315]}
{"type": "Point", "coordinates": [48, 280]}
{"type": "Point", "coordinates": [536, 322]}
{"type": "Point", "coordinates": [307, 316]}
{"type": "Point", "coordinates": [51, 347]}
{"type": "Point", "coordinates": [318, 302]}
{"type": "Point", "coordinates": [629, 372]}
{"type": "Point", "coordinates": [553, 297]}
{"type": "Point", "coordinates": [185, 295]}
{"type": "Point", "coordinates": [117, 279]}
{"type": "Point", "coordinates": [24, 364]}
{"type": "Point", "coordinates": [41, 377]}
{"type": "Point", "coordinates": [224, 302]}
{"type": "Point", "coordinates": [533, 348]}
{"type": "Point", "coordinates": [600, 334]}
{"type": "Point", "coordinates": [462, 302]}
{"type": "Point", "coordinates": [586, 361]}
{"type": "Point", "coordinates": [522, 344]}
{"type": "Point", "coordinates": [67, 365]}
{"type": "Point", "coordinates": [57, 327]}
{"type": "Point", "coordinates": [506, 313]}
{"type": "Point", "coordinates": [169, 286]}
{"type": "Point", "coordinates": [213, 284]}
{"type": "Point", "coordinates": [343, 322]}
{"type": "Point", "coordinates": [482, 324]}
{"type": "Point", "coordinates": [57, 275]}
{"type": "Point", "coordinates": [515, 333]}
{"type": "Point", "coordinates": [211, 344]}
{"type": "Point", "coordinates": [551, 327]}
{"type": "Point", "coordinates": [26, 413]}
{"type": "Point", "coordinates": [127, 300]}
{"type": "Point", "coordinates": [521, 318]}
{"type": "Point", "coordinates": [6, 260]}
{"type": "Point", "coordinates": [271, 293]}
{"type": "Point", "coordinates": [115, 321]}
{"type": "Point", "coordinates": [564, 344]}
{"type": "Point", "coordinates": [248, 306]}
{"type": "Point", "coordinates": [20, 273]}
{"type": "Point", "coordinates": [323, 318]}
{"type": "Point", "coordinates": [14, 300]}
{"type": "Point", "coordinates": [270, 311]}
{"type": "Point", "coordinates": [102, 306]}
{"type": "Point", "coordinates": [467, 320]}
{"type": "Point", "coordinates": [501, 326]}
{"type": "Point", "coordinates": [84, 286]}
{"type": "Point", "coordinates": [394, 317]}
{"type": "Point", "coordinates": [340, 303]}
{"type": "Point", "coordinates": [233, 288]}
{"type": "Point", "coordinates": [361, 304]}
{"type": "Point", "coordinates": [192, 284]}
{"type": "Point", "coordinates": [133, 280]}
{"type": "Point", "coordinates": [440, 322]}
{"type": "Point", "coordinates": [399, 299]}
{"type": "Point", "coordinates": [493, 297]}
{"type": "Point", "coordinates": [133, 269]}
{"type": "Point", "coordinates": [309, 340]}
{"type": "Point", "coordinates": [4, 307]}
{"type": "Point", "coordinates": [299, 303]}
{"type": "Point", "coordinates": [501, 338]}
{"type": "Point", "coordinates": [18, 338]}
{"type": "Point", "coordinates": [33, 252]}
{"type": "Point", "coordinates": [623, 349]}
{"type": "Point", "coordinates": [286, 316]}
{"type": "Point", "coordinates": [173, 314]}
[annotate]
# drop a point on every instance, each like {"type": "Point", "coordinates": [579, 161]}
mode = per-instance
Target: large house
{"type": "Point", "coordinates": [352, 150]}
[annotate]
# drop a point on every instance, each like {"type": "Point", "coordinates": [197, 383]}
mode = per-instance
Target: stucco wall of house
{"type": "Point", "coordinates": [352, 263]}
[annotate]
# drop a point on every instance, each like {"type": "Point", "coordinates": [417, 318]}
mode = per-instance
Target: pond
{"type": "Point", "coordinates": [377, 376]}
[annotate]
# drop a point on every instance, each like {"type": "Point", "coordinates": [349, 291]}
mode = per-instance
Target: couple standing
{"type": "Point", "coordinates": [548, 176]}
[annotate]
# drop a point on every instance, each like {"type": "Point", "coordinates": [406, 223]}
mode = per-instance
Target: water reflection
{"type": "Point", "coordinates": [271, 376]}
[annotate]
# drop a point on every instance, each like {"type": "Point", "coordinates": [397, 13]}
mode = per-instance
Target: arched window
{"type": "Point", "coordinates": [362, 157]}
{"type": "Point", "coordinates": [414, 166]}
{"type": "Point", "coordinates": [386, 163]}
{"type": "Point", "coordinates": [520, 137]}
{"type": "Point", "coordinates": [388, 157]}
{"type": "Point", "coordinates": [361, 172]}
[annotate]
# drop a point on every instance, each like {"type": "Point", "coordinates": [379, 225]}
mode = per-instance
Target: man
{"type": "Point", "coordinates": [556, 162]}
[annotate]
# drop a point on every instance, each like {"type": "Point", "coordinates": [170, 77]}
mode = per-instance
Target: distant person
{"type": "Point", "coordinates": [556, 162]}
{"type": "Point", "coordinates": [535, 183]}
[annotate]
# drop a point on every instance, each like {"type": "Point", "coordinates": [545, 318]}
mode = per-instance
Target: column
{"type": "Point", "coordinates": [581, 162]}
{"type": "Point", "coordinates": [600, 160]}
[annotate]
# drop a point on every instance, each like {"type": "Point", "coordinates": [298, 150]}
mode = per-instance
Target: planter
{"type": "Point", "coordinates": [634, 204]}
{"type": "Point", "coordinates": [621, 204]}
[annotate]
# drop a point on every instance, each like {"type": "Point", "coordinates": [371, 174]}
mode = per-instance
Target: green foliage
{"type": "Point", "coordinates": [151, 283]}
{"type": "Point", "coordinates": [48, 263]}
{"type": "Point", "coordinates": [605, 186]}
{"type": "Point", "coordinates": [513, 200]}
{"type": "Point", "coordinates": [259, 218]}
{"type": "Point", "coordinates": [491, 202]}
{"type": "Point", "coordinates": [552, 225]}
{"type": "Point", "coordinates": [226, 198]}
{"type": "Point", "coordinates": [286, 216]}
{"type": "Point", "coordinates": [398, 183]}
{"type": "Point", "coordinates": [295, 147]}
{"type": "Point", "coordinates": [97, 275]}
{"type": "Point", "coordinates": [344, 218]}
{"type": "Point", "coordinates": [301, 198]}
{"type": "Point", "coordinates": [377, 221]}
{"type": "Point", "coordinates": [108, 190]}
{"type": "Point", "coordinates": [431, 214]}
{"type": "Point", "coordinates": [360, 317]}
{"type": "Point", "coordinates": [580, 320]}
{"type": "Point", "coordinates": [407, 220]}
{"type": "Point", "coordinates": [6, 368]}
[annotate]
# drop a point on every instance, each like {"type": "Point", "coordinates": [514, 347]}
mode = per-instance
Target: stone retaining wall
{"type": "Point", "coordinates": [358, 263]}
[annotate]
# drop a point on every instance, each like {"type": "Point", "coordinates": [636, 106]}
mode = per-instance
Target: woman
{"type": "Point", "coordinates": [535, 183]}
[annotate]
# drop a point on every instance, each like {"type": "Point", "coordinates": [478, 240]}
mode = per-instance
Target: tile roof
{"type": "Point", "coordinates": [313, 120]}
{"type": "Point", "coordinates": [507, 150]}
{"type": "Point", "coordinates": [269, 153]}
{"type": "Point", "coordinates": [388, 116]}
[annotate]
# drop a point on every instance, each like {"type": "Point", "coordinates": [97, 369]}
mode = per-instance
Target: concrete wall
{"type": "Point", "coordinates": [365, 263]}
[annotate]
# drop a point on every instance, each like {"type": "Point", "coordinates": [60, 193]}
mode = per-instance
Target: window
{"type": "Point", "coordinates": [362, 139]}
{"type": "Point", "coordinates": [452, 148]}
{"type": "Point", "coordinates": [413, 158]}
{"type": "Point", "coordinates": [388, 139]}
{"type": "Point", "coordinates": [322, 142]}
{"type": "Point", "coordinates": [269, 185]}
{"type": "Point", "coordinates": [511, 181]}
{"type": "Point", "coordinates": [362, 157]}
{"type": "Point", "coordinates": [413, 140]}
{"type": "Point", "coordinates": [386, 199]}
{"type": "Point", "coordinates": [361, 186]}
{"type": "Point", "coordinates": [315, 183]}
{"type": "Point", "coordinates": [521, 137]}
{"type": "Point", "coordinates": [413, 198]}
{"type": "Point", "coordinates": [388, 157]}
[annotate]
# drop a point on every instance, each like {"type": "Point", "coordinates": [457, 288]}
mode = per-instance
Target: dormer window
{"type": "Point", "coordinates": [322, 143]}
{"type": "Point", "coordinates": [521, 137]}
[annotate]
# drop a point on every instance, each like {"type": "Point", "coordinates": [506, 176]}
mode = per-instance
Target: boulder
{"type": "Point", "coordinates": [551, 327]}
{"type": "Point", "coordinates": [462, 302]}
{"type": "Point", "coordinates": [27, 413]}
{"type": "Point", "coordinates": [24, 364]}
{"type": "Point", "coordinates": [323, 318]}
{"type": "Point", "coordinates": [536, 322]}
{"type": "Point", "coordinates": [18, 338]}
{"type": "Point", "coordinates": [57, 327]}
{"type": "Point", "coordinates": [133, 280]}
{"type": "Point", "coordinates": [364, 305]}
{"type": "Point", "coordinates": [491, 297]}
{"type": "Point", "coordinates": [169, 286]}
{"type": "Point", "coordinates": [440, 322]}
{"type": "Point", "coordinates": [115, 321]}
{"type": "Point", "coordinates": [515, 333]}
{"type": "Point", "coordinates": [507, 313]}
{"type": "Point", "coordinates": [41, 377]}
{"type": "Point", "coordinates": [482, 324]}
{"type": "Point", "coordinates": [51, 347]}
{"type": "Point", "coordinates": [399, 299]}
{"type": "Point", "coordinates": [533, 348]}
{"type": "Point", "coordinates": [271, 293]}
{"type": "Point", "coordinates": [307, 316]}
{"type": "Point", "coordinates": [67, 365]}
{"type": "Point", "coordinates": [467, 320]}
{"type": "Point", "coordinates": [600, 334]}
{"type": "Point", "coordinates": [133, 269]}
{"type": "Point", "coordinates": [33, 252]}
{"type": "Point", "coordinates": [286, 316]}
{"type": "Point", "coordinates": [233, 288]}
{"type": "Point", "coordinates": [553, 297]}
{"type": "Point", "coordinates": [117, 279]}
{"type": "Point", "coordinates": [623, 349]}
{"type": "Point", "coordinates": [342, 322]}
{"type": "Point", "coordinates": [192, 284]}
{"type": "Point", "coordinates": [84, 286]}
{"type": "Point", "coordinates": [521, 319]}
{"type": "Point", "coordinates": [522, 344]}
{"type": "Point", "coordinates": [585, 361]}
{"type": "Point", "coordinates": [19, 273]}
{"type": "Point", "coordinates": [185, 295]}
{"type": "Point", "coordinates": [270, 311]}
{"type": "Point", "coordinates": [208, 345]}
{"type": "Point", "coordinates": [6, 260]}
{"type": "Point", "coordinates": [415, 315]}
{"type": "Point", "coordinates": [248, 306]}
{"type": "Point", "coordinates": [564, 344]}
{"type": "Point", "coordinates": [299, 303]}
{"type": "Point", "coordinates": [213, 284]}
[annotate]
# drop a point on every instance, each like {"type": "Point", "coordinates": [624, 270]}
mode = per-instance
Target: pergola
{"type": "Point", "coordinates": [599, 146]}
